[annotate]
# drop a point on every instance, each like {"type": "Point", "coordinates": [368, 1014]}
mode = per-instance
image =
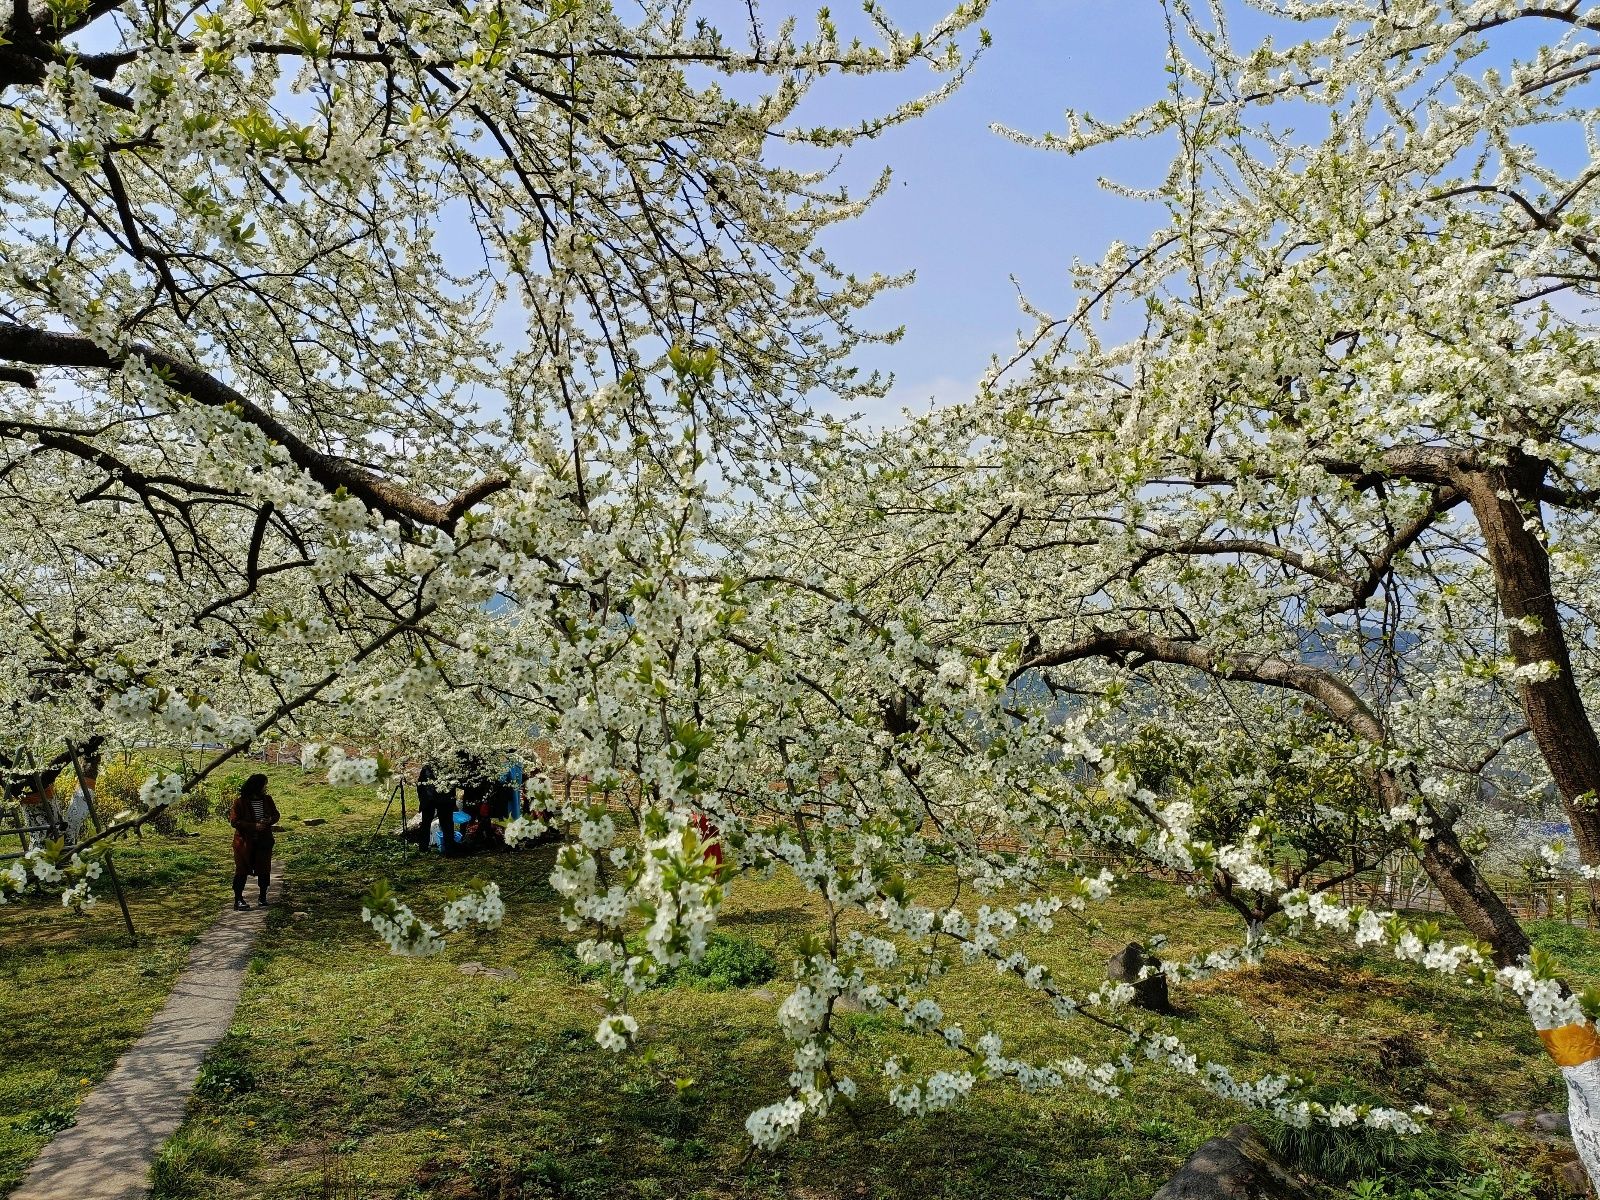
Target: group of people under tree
{"type": "Point", "coordinates": [468, 784]}
{"type": "Point", "coordinates": [448, 784]}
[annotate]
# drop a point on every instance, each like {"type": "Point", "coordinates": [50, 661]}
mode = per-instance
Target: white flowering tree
{"type": "Point", "coordinates": [319, 322]}
{"type": "Point", "coordinates": [1324, 447]}
{"type": "Point", "coordinates": [266, 468]}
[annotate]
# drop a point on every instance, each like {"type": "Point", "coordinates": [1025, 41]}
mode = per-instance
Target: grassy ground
{"type": "Point", "coordinates": [74, 993]}
{"type": "Point", "coordinates": [352, 1074]}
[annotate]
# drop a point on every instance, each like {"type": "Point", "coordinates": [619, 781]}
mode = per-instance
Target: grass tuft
{"type": "Point", "coordinates": [1343, 1155]}
{"type": "Point", "coordinates": [194, 1158]}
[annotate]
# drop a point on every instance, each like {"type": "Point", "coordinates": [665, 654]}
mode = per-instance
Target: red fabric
{"type": "Point", "coordinates": [708, 834]}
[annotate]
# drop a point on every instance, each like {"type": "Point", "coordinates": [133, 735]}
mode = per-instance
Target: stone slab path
{"type": "Point", "coordinates": [139, 1105]}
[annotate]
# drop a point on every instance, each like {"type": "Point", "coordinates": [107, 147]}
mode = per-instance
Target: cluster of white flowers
{"type": "Point", "coordinates": [480, 906]}
{"type": "Point", "coordinates": [883, 953]}
{"type": "Point", "coordinates": [1242, 863]}
{"type": "Point", "coordinates": [354, 772]}
{"type": "Point", "coordinates": [13, 879]}
{"type": "Point", "coordinates": [1533, 672]}
{"type": "Point", "coordinates": [175, 716]}
{"type": "Point", "coordinates": [616, 1032]}
{"type": "Point", "coordinates": [597, 830]}
{"type": "Point", "coordinates": [940, 1091]}
{"type": "Point", "coordinates": [524, 829]}
{"type": "Point", "coordinates": [80, 895]}
{"type": "Point", "coordinates": [50, 868]}
{"type": "Point", "coordinates": [159, 791]}
{"type": "Point", "coordinates": [403, 931]}
{"type": "Point", "coordinates": [316, 756]}
{"type": "Point", "coordinates": [1548, 1002]}
{"type": "Point", "coordinates": [771, 1126]}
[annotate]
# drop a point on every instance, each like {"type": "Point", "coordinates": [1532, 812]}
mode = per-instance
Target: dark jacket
{"type": "Point", "coordinates": [243, 818]}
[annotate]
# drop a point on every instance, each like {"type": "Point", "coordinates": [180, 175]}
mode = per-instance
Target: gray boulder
{"type": "Point", "coordinates": [1552, 1122]}
{"type": "Point", "coordinates": [1237, 1166]}
{"type": "Point", "coordinates": [1126, 966]}
{"type": "Point", "coordinates": [1551, 1128]}
{"type": "Point", "coordinates": [1542, 1122]}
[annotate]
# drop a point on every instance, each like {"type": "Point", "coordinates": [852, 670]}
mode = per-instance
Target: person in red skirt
{"type": "Point", "coordinates": [252, 816]}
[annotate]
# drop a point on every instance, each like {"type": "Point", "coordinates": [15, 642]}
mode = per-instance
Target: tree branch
{"type": "Point", "coordinates": [41, 348]}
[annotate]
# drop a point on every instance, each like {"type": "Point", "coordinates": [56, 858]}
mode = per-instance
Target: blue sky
{"type": "Point", "coordinates": [968, 208]}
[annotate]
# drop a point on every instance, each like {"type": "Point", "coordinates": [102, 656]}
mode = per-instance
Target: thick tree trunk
{"type": "Point", "coordinates": [1505, 501]}
{"type": "Point", "coordinates": [1502, 501]}
{"type": "Point", "coordinates": [1472, 899]}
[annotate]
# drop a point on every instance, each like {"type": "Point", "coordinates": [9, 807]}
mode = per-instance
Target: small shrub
{"type": "Point", "coordinates": [230, 785]}
{"type": "Point", "coordinates": [729, 962]}
{"type": "Point", "coordinates": [226, 1071]}
{"type": "Point", "coordinates": [195, 804]}
{"type": "Point", "coordinates": [49, 1121]}
{"type": "Point", "coordinates": [210, 797]}
{"type": "Point", "coordinates": [117, 788]}
{"type": "Point", "coordinates": [1159, 1130]}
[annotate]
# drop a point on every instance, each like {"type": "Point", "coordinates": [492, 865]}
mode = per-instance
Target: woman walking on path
{"type": "Point", "coordinates": [252, 816]}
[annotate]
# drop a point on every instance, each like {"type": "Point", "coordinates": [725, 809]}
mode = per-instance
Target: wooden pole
{"type": "Point", "coordinates": [111, 867]}
{"type": "Point", "coordinates": [16, 816]}
{"type": "Point", "coordinates": [399, 790]}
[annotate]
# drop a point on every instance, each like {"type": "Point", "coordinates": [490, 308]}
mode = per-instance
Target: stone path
{"type": "Point", "coordinates": [139, 1105]}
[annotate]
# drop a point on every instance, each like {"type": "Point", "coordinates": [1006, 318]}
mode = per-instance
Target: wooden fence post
{"type": "Point", "coordinates": [111, 867]}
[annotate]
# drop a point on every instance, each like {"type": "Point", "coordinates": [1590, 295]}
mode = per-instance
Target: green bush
{"type": "Point", "coordinates": [729, 962]}
{"type": "Point", "coordinates": [225, 1071]}
{"type": "Point", "coordinates": [48, 1121]}
{"type": "Point", "coordinates": [195, 804]}
{"type": "Point", "coordinates": [211, 797]}
{"type": "Point", "coordinates": [117, 787]}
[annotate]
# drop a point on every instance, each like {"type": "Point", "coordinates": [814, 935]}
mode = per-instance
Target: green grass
{"type": "Point", "coordinates": [349, 1073]}
{"type": "Point", "coordinates": [74, 993]}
